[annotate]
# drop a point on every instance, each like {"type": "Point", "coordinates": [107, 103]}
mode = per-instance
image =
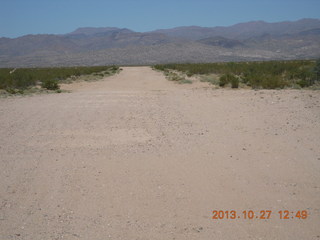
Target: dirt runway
{"type": "Point", "coordinates": [135, 156]}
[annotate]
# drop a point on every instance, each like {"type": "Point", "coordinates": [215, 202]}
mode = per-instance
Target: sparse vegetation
{"type": "Point", "coordinates": [18, 80]}
{"type": "Point", "coordinates": [212, 78]}
{"type": "Point", "coordinates": [268, 75]}
{"type": "Point", "coordinates": [185, 81]}
{"type": "Point", "coordinates": [317, 70]}
{"type": "Point", "coordinates": [177, 77]}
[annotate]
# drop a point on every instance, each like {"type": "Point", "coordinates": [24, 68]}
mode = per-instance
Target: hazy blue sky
{"type": "Point", "coordinates": [20, 17]}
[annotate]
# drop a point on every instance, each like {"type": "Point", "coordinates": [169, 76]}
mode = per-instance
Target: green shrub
{"type": "Point", "coordinates": [50, 85]}
{"type": "Point", "coordinates": [228, 78]}
{"type": "Point", "coordinates": [189, 74]}
{"type": "Point", "coordinates": [99, 74]}
{"type": "Point", "coordinates": [23, 78]}
{"type": "Point", "coordinates": [303, 83]}
{"type": "Point", "coordinates": [174, 77]}
{"type": "Point", "coordinates": [114, 68]}
{"type": "Point", "coordinates": [12, 91]}
{"type": "Point", "coordinates": [185, 81]}
{"type": "Point", "coordinates": [295, 86]}
{"type": "Point", "coordinates": [316, 70]}
{"type": "Point", "coordinates": [235, 82]}
{"type": "Point", "coordinates": [272, 82]}
{"type": "Point", "coordinates": [223, 81]}
{"type": "Point", "coordinates": [211, 79]}
{"type": "Point", "coordinates": [266, 74]}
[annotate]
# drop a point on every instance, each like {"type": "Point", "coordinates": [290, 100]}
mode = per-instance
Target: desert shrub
{"type": "Point", "coordinates": [303, 83]}
{"type": "Point", "coordinates": [266, 81]}
{"type": "Point", "coordinates": [223, 81]}
{"type": "Point", "coordinates": [267, 74]}
{"type": "Point", "coordinates": [50, 85]}
{"type": "Point", "coordinates": [235, 82]}
{"type": "Point", "coordinates": [272, 82]}
{"type": "Point", "coordinates": [174, 76]}
{"type": "Point", "coordinates": [228, 78]}
{"type": "Point", "coordinates": [189, 74]}
{"type": "Point", "coordinates": [99, 74]}
{"type": "Point", "coordinates": [185, 81]}
{"type": "Point", "coordinates": [114, 68]}
{"type": "Point", "coordinates": [316, 70]}
{"type": "Point", "coordinates": [295, 86]}
{"type": "Point", "coordinates": [22, 78]}
{"type": "Point", "coordinates": [211, 79]}
{"type": "Point", "coordinates": [12, 91]}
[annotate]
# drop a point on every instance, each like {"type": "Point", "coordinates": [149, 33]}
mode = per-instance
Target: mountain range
{"type": "Point", "coordinates": [257, 40]}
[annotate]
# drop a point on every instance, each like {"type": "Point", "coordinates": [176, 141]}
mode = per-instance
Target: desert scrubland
{"type": "Point", "coordinates": [135, 156]}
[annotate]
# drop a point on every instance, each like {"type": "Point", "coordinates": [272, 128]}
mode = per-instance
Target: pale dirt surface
{"type": "Point", "coordinates": [138, 157]}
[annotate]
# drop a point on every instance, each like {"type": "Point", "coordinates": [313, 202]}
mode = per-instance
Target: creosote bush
{"type": "Point", "coordinates": [235, 82]}
{"type": "Point", "coordinates": [16, 80]}
{"type": "Point", "coordinates": [267, 74]}
{"type": "Point", "coordinates": [229, 78]}
{"type": "Point", "coordinates": [50, 84]}
{"type": "Point", "coordinates": [316, 70]}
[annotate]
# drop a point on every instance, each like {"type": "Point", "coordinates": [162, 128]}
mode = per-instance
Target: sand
{"type": "Point", "coordinates": [135, 156]}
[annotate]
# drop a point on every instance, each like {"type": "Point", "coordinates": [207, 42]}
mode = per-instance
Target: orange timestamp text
{"type": "Point", "coordinates": [260, 214]}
